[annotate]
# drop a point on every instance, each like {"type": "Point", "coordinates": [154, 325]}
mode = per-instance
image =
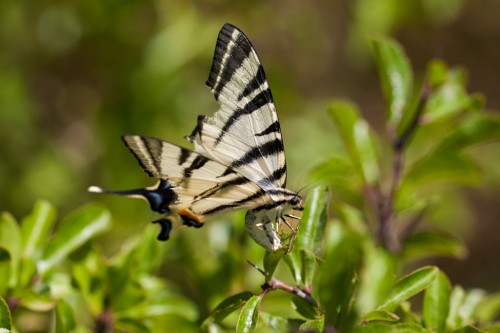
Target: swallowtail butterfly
{"type": "Point", "coordinates": [238, 160]}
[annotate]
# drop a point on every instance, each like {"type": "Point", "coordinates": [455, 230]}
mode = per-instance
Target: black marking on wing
{"type": "Point", "coordinates": [154, 150]}
{"type": "Point", "coordinates": [223, 69]}
{"type": "Point", "coordinates": [190, 222]}
{"type": "Point", "coordinates": [184, 155]}
{"type": "Point", "coordinates": [221, 186]}
{"type": "Point", "coordinates": [255, 104]}
{"type": "Point", "coordinates": [272, 128]}
{"type": "Point", "coordinates": [228, 171]}
{"type": "Point", "coordinates": [237, 203]}
{"type": "Point", "coordinates": [273, 178]}
{"type": "Point", "coordinates": [255, 84]}
{"type": "Point", "coordinates": [139, 159]}
{"type": "Point", "coordinates": [197, 163]}
{"type": "Point", "coordinates": [266, 149]}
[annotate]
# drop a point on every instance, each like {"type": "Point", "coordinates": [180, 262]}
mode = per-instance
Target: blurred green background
{"type": "Point", "coordinates": [76, 75]}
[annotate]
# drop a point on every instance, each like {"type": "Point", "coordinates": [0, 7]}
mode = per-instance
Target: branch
{"type": "Point", "coordinates": [386, 212]}
{"type": "Point", "coordinates": [275, 284]}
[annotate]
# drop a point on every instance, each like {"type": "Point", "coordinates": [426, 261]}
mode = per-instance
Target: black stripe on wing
{"type": "Point", "coordinates": [151, 150]}
{"type": "Point", "coordinates": [227, 57]}
{"type": "Point", "coordinates": [268, 148]}
{"type": "Point", "coordinates": [255, 196]}
{"type": "Point", "coordinates": [261, 99]}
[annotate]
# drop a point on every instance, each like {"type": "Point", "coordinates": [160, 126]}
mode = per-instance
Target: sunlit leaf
{"type": "Point", "coordinates": [314, 325]}
{"type": "Point", "coordinates": [396, 77]}
{"type": "Point", "coordinates": [380, 315]}
{"type": "Point", "coordinates": [305, 309]}
{"type": "Point", "coordinates": [469, 329]}
{"type": "Point", "coordinates": [76, 229]}
{"type": "Point", "coordinates": [64, 317]}
{"type": "Point", "coordinates": [358, 140]}
{"type": "Point", "coordinates": [10, 240]}
{"type": "Point", "coordinates": [36, 227]}
{"type": "Point", "coordinates": [376, 278]}
{"type": "Point", "coordinates": [226, 307]}
{"type": "Point", "coordinates": [447, 100]}
{"type": "Point", "coordinates": [271, 260]}
{"type": "Point", "coordinates": [489, 308]}
{"type": "Point", "coordinates": [249, 315]}
{"type": "Point", "coordinates": [457, 297]}
{"type": "Point", "coordinates": [441, 167]}
{"type": "Point", "coordinates": [427, 243]}
{"type": "Point", "coordinates": [478, 128]}
{"type": "Point", "coordinates": [313, 222]}
{"type": "Point", "coordinates": [309, 236]}
{"type": "Point", "coordinates": [275, 323]}
{"type": "Point", "coordinates": [408, 286]}
{"type": "Point", "coordinates": [437, 303]}
{"type": "Point", "coordinates": [5, 318]}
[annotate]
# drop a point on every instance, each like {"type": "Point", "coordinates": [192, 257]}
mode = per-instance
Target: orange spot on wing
{"type": "Point", "coordinates": [189, 214]}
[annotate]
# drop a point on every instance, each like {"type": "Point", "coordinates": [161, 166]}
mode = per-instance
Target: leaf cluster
{"type": "Point", "coordinates": [348, 268]}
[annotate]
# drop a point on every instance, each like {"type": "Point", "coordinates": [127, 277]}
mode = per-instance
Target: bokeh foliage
{"type": "Point", "coordinates": [77, 75]}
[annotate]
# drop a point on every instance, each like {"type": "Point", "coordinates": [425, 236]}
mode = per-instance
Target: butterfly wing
{"type": "Point", "coordinates": [244, 134]}
{"type": "Point", "coordinates": [199, 187]}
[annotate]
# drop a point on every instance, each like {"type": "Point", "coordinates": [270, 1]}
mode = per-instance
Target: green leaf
{"type": "Point", "coordinates": [367, 149]}
{"type": "Point", "coordinates": [358, 140]}
{"type": "Point", "coordinates": [447, 100]}
{"type": "Point", "coordinates": [376, 279]}
{"type": "Point", "coordinates": [308, 261]}
{"type": "Point", "coordinates": [304, 308]}
{"type": "Point", "coordinates": [64, 317]}
{"type": "Point", "coordinates": [76, 229]}
{"type": "Point", "coordinates": [249, 315]}
{"type": "Point", "coordinates": [442, 167]}
{"type": "Point", "coordinates": [437, 72]}
{"type": "Point", "coordinates": [309, 236]}
{"type": "Point", "coordinates": [345, 115]}
{"type": "Point", "coordinates": [89, 274]}
{"type": "Point", "coordinates": [378, 327]}
{"type": "Point", "coordinates": [457, 297]}
{"type": "Point", "coordinates": [408, 286]}
{"type": "Point", "coordinates": [314, 325]}
{"type": "Point", "coordinates": [469, 329]}
{"type": "Point", "coordinates": [159, 307]}
{"type": "Point", "coordinates": [275, 323]}
{"type": "Point", "coordinates": [36, 226]}
{"type": "Point", "coordinates": [380, 315]}
{"type": "Point", "coordinates": [437, 303]}
{"type": "Point", "coordinates": [292, 261]}
{"type": "Point", "coordinates": [313, 222]}
{"type": "Point", "coordinates": [36, 302]}
{"type": "Point", "coordinates": [10, 240]}
{"type": "Point", "coordinates": [271, 260]}
{"type": "Point", "coordinates": [489, 308]}
{"type": "Point", "coordinates": [396, 77]}
{"type": "Point", "coordinates": [5, 318]}
{"type": "Point", "coordinates": [226, 307]}
{"type": "Point", "coordinates": [476, 129]}
{"type": "Point", "coordinates": [431, 244]}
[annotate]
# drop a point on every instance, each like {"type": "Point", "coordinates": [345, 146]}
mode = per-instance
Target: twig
{"type": "Point", "coordinates": [386, 204]}
{"type": "Point", "coordinates": [275, 284]}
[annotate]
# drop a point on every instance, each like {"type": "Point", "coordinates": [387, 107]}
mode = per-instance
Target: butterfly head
{"type": "Point", "coordinates": [296, 202]}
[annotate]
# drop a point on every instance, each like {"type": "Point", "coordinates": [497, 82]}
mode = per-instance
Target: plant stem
{"type": "Point", "coordinates": [386, 212]}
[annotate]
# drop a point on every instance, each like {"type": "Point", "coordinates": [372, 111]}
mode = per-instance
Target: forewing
{"type": "Point", "coordinates": [244, 134]}
{"type": "Point", "coordinates": [203, 187]}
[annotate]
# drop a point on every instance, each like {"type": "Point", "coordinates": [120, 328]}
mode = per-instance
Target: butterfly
{"type": "Point", "coordinates": [238, 162]}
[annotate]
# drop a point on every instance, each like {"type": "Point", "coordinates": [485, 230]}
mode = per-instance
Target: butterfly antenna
{"type": "Point", "coordinates": [308, 185]}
